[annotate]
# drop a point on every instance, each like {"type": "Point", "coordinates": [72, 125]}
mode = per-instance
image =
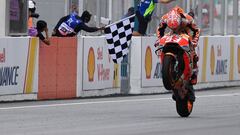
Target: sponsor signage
{"type": "Point", "coordinates": [13, 64]}
{"type": "Point", "coordinates": [236, 62]}
{"type": "Point", "coordinates": [98, 68]}
{"type": "Point", "coordinates": [8, 74]}
{"type": "Point", "coordinates": [151, 64]}
{"type": "Point", "coordinates": [218, 59]}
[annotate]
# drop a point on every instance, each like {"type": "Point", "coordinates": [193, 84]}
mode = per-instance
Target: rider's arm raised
{"type": "Point", "coordinates": [196, 32]}
{"type": "Point", "coordinates": [162, 26]}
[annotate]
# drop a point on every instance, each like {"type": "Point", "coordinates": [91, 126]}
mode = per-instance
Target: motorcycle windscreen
{"type": "Point", "coordinates": [182, 40]}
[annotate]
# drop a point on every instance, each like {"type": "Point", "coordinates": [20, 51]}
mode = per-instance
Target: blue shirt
{"type": "Point", "coordinates": [146, 7]}
{"type": "Point", "coordinates": [69, 25]}
{"type": "Point", "coordinates": [73, 21]}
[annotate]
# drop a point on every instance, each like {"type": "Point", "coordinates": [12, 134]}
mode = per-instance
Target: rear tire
{"type": "Point", "coordinates": [184, 107]}
{"type": "Point", "coordinates": [168, 72]}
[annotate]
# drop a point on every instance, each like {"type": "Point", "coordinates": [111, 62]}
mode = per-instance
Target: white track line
{"type": "Point", "coordinates": [117, 101]}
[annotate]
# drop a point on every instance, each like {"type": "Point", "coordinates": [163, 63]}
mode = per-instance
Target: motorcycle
{"type": "Point", "coordinates": [177, 65]}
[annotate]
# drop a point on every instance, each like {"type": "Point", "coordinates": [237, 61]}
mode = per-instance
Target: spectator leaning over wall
{"type": "Point", "coordinates": [72, 24]}
{"type": "Point", "coordinates": [42, 27]}
{"type": "Point", "coordinates": [144, 14]}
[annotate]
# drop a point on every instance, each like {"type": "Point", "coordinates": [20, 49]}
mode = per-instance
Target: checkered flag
{"type": "Point", "coordinates": [118, 36]}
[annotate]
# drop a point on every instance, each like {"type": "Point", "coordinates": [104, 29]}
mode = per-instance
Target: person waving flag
{"type": "Point", "coordinates": [118, 36]}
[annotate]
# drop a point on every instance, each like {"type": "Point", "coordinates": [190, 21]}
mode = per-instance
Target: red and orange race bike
{"type": "Point", "coordinates": [174, 51]}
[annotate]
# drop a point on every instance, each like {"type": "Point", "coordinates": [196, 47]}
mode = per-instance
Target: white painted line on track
{"type": "Point", "coordinates": [117, 101]}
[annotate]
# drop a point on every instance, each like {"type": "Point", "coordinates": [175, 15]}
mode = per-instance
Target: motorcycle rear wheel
{"type": "Point", "coordinates": [184, 107]}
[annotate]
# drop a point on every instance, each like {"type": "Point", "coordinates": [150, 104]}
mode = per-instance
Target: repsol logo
{"type": "Point", "coordinates": [2, 56]}
{"type": "Point", "coordinates": [9, 76]}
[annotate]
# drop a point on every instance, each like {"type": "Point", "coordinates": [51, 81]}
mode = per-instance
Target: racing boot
{"type": "Point", "coordinates": [193, 80]}
{"type": "Point", "coordinates": [173, 97]}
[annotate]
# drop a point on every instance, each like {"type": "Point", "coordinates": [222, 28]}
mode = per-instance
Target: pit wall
{"type": "Point", "coordinates": [81, 67]}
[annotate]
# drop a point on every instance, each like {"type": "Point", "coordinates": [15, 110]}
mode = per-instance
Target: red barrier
{"type": "Point", "coordinates": [58, 69]}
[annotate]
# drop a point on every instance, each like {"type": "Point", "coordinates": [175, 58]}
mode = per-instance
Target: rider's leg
{"type": "Point", "coordinates": [173, 97]}
{"type": "Point", "coordinates": [195, 70]}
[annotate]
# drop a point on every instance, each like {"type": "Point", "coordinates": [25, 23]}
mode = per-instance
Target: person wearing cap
{"type": "Point", "coordinates": [72, 24]}
{"type": "Point", "coordinates": [31, 13]}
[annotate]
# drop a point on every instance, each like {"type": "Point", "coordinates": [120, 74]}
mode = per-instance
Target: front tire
{"type": "Point", "coordinates": [168, 73]}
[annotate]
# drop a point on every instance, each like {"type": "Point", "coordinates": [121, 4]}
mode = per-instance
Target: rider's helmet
{"type": "Point", "coordinates": [173, 20]}
{"type": "Point", "coordinates": [178, 10]}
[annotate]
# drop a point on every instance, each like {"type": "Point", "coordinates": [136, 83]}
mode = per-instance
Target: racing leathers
{"type": "Point", "coordinates": [188, 27]}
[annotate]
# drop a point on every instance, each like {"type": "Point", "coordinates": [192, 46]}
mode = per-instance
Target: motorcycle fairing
{"type": "Point", "coordinates": [182, 40]}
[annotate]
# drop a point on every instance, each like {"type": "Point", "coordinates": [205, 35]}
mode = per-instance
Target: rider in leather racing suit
{"type": "Point", "coordinates": [187, 26]}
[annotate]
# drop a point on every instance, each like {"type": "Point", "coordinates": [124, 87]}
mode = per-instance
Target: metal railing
{"type": "Point", "coordinates": [214, 17]}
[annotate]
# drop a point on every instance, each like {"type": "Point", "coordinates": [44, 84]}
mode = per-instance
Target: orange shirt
{"type": "Point", "coordinates": [30, 22]}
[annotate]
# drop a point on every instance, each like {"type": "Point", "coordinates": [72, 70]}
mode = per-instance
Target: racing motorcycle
{"type": "Point", "coordinates": [177, 66]}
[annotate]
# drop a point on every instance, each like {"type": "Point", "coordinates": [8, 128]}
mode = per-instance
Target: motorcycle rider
{"type": "Point", "coordinates": [179, 21]}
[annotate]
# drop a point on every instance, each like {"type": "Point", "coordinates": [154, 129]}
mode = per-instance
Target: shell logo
{"type": "Point", "coordinates": [238, 58]}
{"type": "Point", "coordinates": [148, 62]}
{"type": "Point", "coordinates": [91, 65]}
{"type": "Point", "coordinates": [212, 60]}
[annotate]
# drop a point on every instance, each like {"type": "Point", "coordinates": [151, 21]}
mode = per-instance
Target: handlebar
{"type": "Point", "coordinates": [158, 49]}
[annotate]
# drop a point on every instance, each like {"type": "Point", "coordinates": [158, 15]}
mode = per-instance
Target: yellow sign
{"type": "Point", "coordinates": [91, 65]}
{"type": "Point", "coordinates": [32, 54]}
{"type": "Point", "coordinates": [148, 62]}
{"type": "Point", "coordinates": [238, 58]}
{"type": "Point", "coordinates": [212, 60]}
{"type": "Point", "coordinates": [116, 76]}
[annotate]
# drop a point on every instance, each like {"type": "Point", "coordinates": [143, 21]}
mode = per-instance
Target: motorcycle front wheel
{"type": "Point", "coordinates": [168, 72]}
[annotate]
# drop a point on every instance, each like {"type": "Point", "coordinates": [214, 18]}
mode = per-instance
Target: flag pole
{"type": "Point", "coordinates": [119, 21]}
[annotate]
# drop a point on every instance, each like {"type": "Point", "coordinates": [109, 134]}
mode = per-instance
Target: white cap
{"type": "Point", "coordinates": [31, 4]}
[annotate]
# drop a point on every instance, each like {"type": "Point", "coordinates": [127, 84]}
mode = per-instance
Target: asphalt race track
{"type": "Point", "coordinates": [216, 112]}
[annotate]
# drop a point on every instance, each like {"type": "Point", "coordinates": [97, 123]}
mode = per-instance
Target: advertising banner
{"type": "Point", "coordinates": [31, 81]}
{"type": "Point", "coordinates": [98, 68]}
{"type": "Point", "coordinates": [236, 57]}
{"type": "Point", "coordinates": [217, 59]}
{"type": "Point", "coordinates": [13, 65]}
{"type": "Point", "coordinates": [151, 64]}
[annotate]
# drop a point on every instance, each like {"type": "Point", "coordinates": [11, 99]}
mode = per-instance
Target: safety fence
{"type": "Point", "coordinates": [81, 66]}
